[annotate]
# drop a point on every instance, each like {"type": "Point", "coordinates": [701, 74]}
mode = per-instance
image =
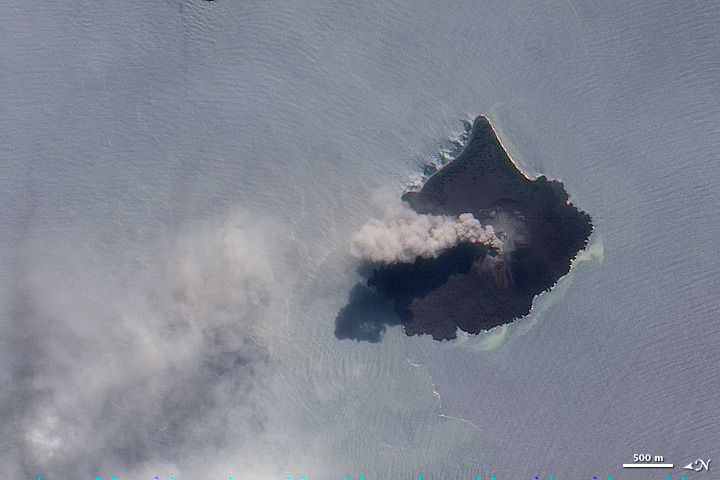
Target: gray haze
{"type": "Point", "coordinates": [180, 182]}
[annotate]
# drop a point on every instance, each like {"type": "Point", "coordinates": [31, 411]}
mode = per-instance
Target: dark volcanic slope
{"type": "Point", "coordinates": [474, 290]}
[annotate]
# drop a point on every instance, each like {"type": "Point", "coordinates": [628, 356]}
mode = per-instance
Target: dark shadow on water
{"type": "Point", "coordinates": [386, 298]}
{"type": "Point", "coordinates": [366, 315]}
{"type": "Point", "coordinates": [405, 282]}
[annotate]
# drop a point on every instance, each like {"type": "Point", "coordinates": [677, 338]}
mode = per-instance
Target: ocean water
{"type": "Point", "coordinates": [180, 182]}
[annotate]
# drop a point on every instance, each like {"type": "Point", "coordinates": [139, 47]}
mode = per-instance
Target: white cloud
{"type": "Point", "coordinates": [128, 374]}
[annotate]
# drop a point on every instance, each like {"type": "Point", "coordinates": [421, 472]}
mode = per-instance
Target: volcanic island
{"type": "Point", "coordinates": [471, 286]}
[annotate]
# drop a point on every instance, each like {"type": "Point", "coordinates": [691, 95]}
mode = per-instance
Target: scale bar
{"type": "Point", "coordinates": [647, 465]}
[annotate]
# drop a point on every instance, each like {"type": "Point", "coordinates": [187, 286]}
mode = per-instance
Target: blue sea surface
{"type": "Point", "coordinates": [180, 181]}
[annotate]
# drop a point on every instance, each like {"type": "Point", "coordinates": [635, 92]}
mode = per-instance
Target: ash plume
{"type": "Point", "coordinates": [402, 235]}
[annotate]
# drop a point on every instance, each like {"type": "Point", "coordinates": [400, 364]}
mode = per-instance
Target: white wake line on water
{"type": "Point", "coordinates": [436, 395]}
{"type": "Point", "coordinates": [458, 419]}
